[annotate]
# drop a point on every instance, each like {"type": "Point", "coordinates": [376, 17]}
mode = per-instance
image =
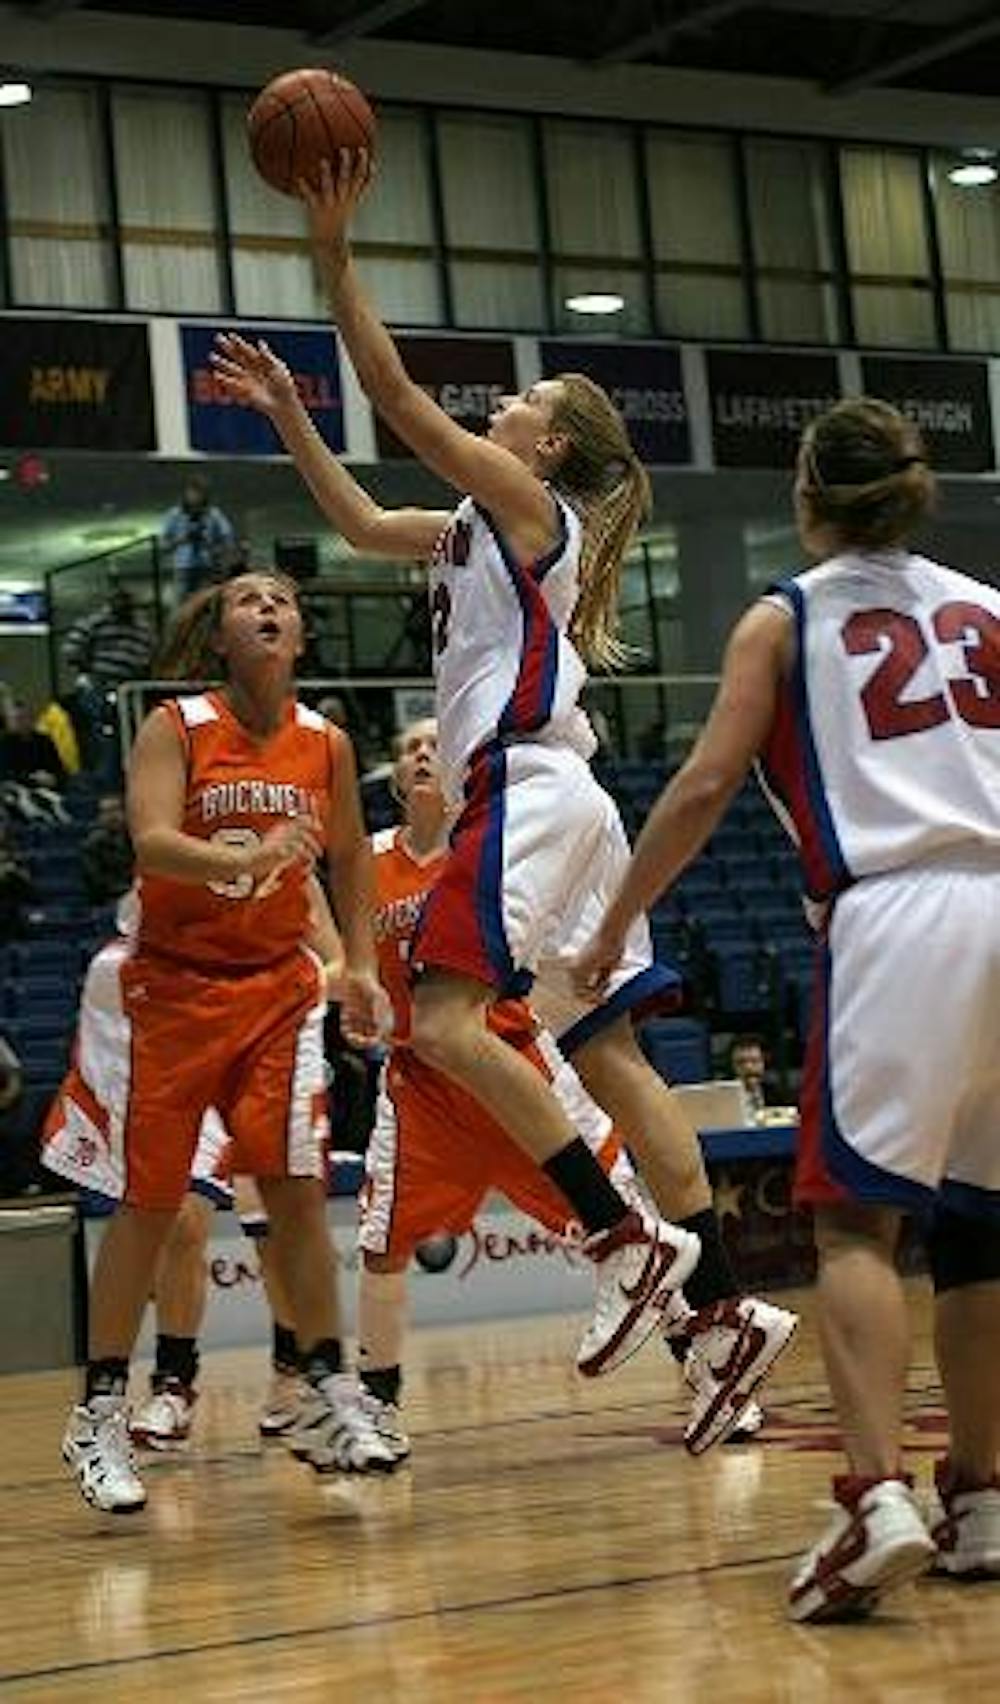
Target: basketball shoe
{"type": "Point", "coordinates": [387, 1418]}
{"type": "Point", "coordinates": [335, 1431]}
{"type": "Point", "coordinates": [639, 1262]}
{"type": "Point", "coordinates": [734, 1345]}
{"type": "Point", "coordinates": [282, 1404]}
{"type": "Point", "coordinates": [876, 1543]}
{"type": "Point", "coordinates": [96, 1446]}
{"type": "Point", "coordinates": [163, 1422]}
{"type": "Point", "coordinates": [965, 1526]}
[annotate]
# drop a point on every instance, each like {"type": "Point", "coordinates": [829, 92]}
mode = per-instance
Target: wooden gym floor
{"type": "Point", "coordinates": [550, 1540]}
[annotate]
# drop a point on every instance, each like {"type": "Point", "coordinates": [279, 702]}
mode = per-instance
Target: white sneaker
{"type": "Point", "coordinates": [876, 1543]}
{"type": "Point", "coordinates": [748, 1424]}
{"type": "Point", "coordinates": [163, 1422]}
{"type": "Point", "coordinates": [388, 1421]}
{"type": "Point", "coordinates": [639, 1262]}
{"type": "Point", "coordinates": [96, 1446]}
{"type": "Point", "coordinates": [335, 1432]}
{"type": "Point", "coordinates": [965, 1526]}
{"type": "Point", "coordinates": [282, 1405]}
{"type": "Point", "coordinates": [734, 1345]}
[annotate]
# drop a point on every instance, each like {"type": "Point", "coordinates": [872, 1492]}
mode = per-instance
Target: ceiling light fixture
{"type": "Point", "coordinates": [14, 94]}
{"type": "Point", "coordinates": [976, 168]}
{"type": "Point", "coordinates": [596, 302]}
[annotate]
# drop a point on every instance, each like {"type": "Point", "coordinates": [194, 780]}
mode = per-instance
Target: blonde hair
{"type": "Point", "coordinates": [188, 651]}
{"type": "Point", "coordinates": [604, 480]}
{"type": "Point", "coordinates": [863, 471]}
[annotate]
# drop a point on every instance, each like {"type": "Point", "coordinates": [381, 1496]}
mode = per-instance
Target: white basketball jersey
{"type": "Point", "coordinates": [504, 666]}
{"type": "Point", "coordinates": [885, 749]}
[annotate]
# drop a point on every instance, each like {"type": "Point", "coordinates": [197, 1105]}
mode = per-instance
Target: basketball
{"type": "Point", "coordinates": [302, 118]}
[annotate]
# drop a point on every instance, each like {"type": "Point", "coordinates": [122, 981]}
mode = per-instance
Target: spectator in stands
{"type": "Point", "coordinates": [748, 1063]}
{"type": "Point", "coordinates": [31, 771]}
{"type": "Point", "coordinates": [16, 887]}
{"type": "Point", "coordinates": [106, 853]}
{"type": "Point", "coordinates": [197, 538]}
{"type": "Point", "coordinates": [112, 644]}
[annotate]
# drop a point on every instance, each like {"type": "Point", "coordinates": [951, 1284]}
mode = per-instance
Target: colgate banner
{"type": "Point", "coordinates": [467, 376]}
{"type": "Point", "coordinates": [219, 426]}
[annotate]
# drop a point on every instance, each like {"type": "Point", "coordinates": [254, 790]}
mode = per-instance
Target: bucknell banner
{"type": "Point", "coordinates": [75, 384]}
{"type": "Point", "coordinates": [466, 375]}
{"type": "Point", "coordinates": [644, 382]}
{"type": "Point", "coordinates": [220, 426]}
{"type": "Point", "coordinates": [761, 403]}
{"type": "Point", "coordinates": [948, 400]}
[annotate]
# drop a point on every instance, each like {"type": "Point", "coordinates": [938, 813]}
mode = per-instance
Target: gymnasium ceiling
{"type": "Point", "coordinates": [840, 45]}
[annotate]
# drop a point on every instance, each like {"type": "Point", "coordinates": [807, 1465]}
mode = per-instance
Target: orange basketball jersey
{"type": "Point", "coordinates": [402, 884]}
{"type": "Point", "coordinates": [238, 787]}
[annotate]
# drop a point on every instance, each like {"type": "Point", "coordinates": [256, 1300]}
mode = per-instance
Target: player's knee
{"type": "Point", "coordinates": [190, 1228]}
{"type": "Point", "coordinates": [854, 1225]}
{"type": "Point", "coordinates": [962, 1251]}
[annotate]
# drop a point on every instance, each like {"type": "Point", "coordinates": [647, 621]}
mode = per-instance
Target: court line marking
{"type": "Point", "coordinates": [517, 1600]}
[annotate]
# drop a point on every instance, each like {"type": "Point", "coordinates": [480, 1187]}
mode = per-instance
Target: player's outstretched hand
{"type": "Point", "coordinates": [591, 970]}
{"type": "Point", "coordinates": [252, 374]}
{"type": "Point", "coordinates": [365, 1009]}
{"type": "Point", "coordinates": [331, 207]}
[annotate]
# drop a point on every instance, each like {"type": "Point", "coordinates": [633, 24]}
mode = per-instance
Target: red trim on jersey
{"type": "Point", "coordinates": [449, 934]}
{"type": "Point", "coordinates": [814, 1186]}
{"type": "Point", "coordinates": [785, 768]}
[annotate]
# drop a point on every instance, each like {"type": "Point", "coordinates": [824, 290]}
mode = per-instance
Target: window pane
{"type": "Point", "coordinates": [692, 196]}
{"type": "Point", "coordinates": [786, 181]}
{"type": "Point", "coordinates": [974, 319]}
{"type": "Point", "coordinates": [61, 250]}
{"type": "Point", "coordinates": [593, 204]}
{"type": "Point", "coordinates": [968, 231]}
{"type": "Point", "coordinates": [892, 317]}
{"type": "Point", "coordinates": [697, 306]}
{"type": "Point", "coordinates": [398, 208]}
{"type": "Point", "coordinates": [491, 293]}
{"type": "Point", "coordinates": [488, 183]}
{"type": "Point", "coordinates": [167, 202]}
{"type": "Point", "coordinates": [273, 271]}
{"type": "Point", "coordinates": [406, 290]}
{"type": "Point", "coordinates": [792, 312]}
{"type": "Point", "coordinates": [884, 212]}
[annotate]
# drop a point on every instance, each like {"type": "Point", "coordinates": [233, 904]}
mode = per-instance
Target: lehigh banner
{"type": "Point", "coordinates": [466, 375]}
{"type": "Point", "coordinates": [948, 400]}
{"type": "Point", "coordinates": [75, 384]}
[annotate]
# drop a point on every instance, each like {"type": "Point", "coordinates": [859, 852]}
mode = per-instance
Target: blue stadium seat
{"type": "Point", "coordinates": [744, 979]}
{"type": "Point", "coordinates": [43, 958]}
{"type": "Point", "coordinates": [678, 1049]}
{"type": "Point", "coordinates": [24, 996]}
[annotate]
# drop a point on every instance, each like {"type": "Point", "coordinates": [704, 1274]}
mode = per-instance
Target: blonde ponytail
{"type": "Point", "coordinates": [604, 480]}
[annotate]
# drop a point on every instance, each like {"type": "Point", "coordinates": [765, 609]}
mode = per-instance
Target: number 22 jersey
{"type": "Point", "coordinates": [885, 746]}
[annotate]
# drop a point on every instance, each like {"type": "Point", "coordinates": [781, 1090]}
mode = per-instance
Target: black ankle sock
{"type": "Point", "coordinates": [176, 1358]}
{"type": "Point", "coordinates": [713, 1279]}
{"type": "Point", "coordinates": [108, 1377]}
{"type": "Point", "coordinates": [284, 1349]}
{"type": "Point", "coordinates": [383, 1382]}
{"type": "Point", "coordinates": [595, 1201]}
{"type": "Point", "coordinates": [324, 1358]}
{"type": "Point", "coordinates": [679, 1346]}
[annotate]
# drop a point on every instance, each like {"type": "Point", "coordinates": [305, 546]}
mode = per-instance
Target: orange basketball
{"type": "Point", "coordinates": [303, 117]}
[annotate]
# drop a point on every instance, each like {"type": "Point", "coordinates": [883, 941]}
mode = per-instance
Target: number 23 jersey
{"type": "Point", "coordinates": [239, 787]}
{"type": "Point", "coordinates": [885, 746]}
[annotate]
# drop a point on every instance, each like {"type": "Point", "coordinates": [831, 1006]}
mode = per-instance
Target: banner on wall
{"type": "Point", "coordinates": [948, 400]}
{"type": "Point", "coordinates": [219, 426]}
{"type": "Point", "coordinates": [761, 402]}
{"type": "Point", "coordinates": [467, 376]}
{"type": "Point", "coordinates": [644, 381]}
{"type": "Point", "coordinates": [75, 384]}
